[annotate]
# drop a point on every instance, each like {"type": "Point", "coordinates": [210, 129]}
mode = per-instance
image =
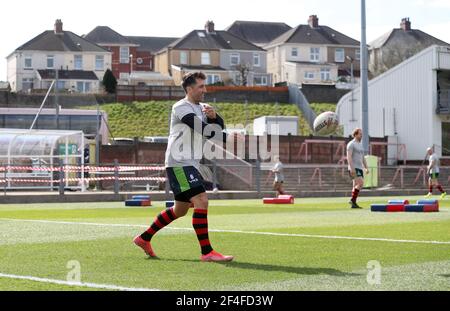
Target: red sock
{"type": "Point", "coordinates": [200, 224]}
{"type": "Point", "coordinates": [440, 188]}
{"type": "Point", "coordinates": [163, 219]}
{"type": "Point", "coordinates": [431, 189]}
{"type": "Point", "coordinates": [355, 194]}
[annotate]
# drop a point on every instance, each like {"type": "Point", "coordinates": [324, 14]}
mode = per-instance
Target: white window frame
{"type": "Point", "coordinates": [124, 54]}
{"type": "Point", "coordinates": [124, 76]}
{"type": "Point", "coordinates": [236, 56]}
{"type": "Point", "coordinates": [27, 81]}
{"type": "Point", "coordinates": [86, 86]}
{"type": "Point", "coordinates": [206, 58]}
{"type": "Point", "coordinates": [339, 52]}
{"type": "Point", "coordinates": [256, 56]}
{"type": "Point", "coordinates": [292, 52]}
{"type": "Point", "coordinates": [309, 75]}
{"type": "Point", "coordinates": [183, 58]}
{"type": "Point", "coordinates": [28, 58]}
{"type": "Point", "coordinates": [212, 78]}
{"type": "Point", "coordinates": [76, 64]}
{"type": "Point", "coordinates": [324, 72]}
{"type": "Point", "coordinates": [314, 54]}
{"type": "Point", "coordinates": [98, 59]}
{"type": "Point", "coordinates": [263, 81]}
{"type": "Point", "coordinates": [358, 54]}
{"type": "Point", "coordinates": [52, 59]}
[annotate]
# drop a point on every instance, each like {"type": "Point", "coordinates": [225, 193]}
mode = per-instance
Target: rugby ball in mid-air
{"type": "Point", "coordinates": [326, 123]}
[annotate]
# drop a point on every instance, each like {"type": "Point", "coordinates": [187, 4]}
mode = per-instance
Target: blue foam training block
{"type": "Point", "coordinates": [378, 208]}
{"type": "Point", "coordinates": [141, 197]}
{"type": "Point", "coordinates": [427, 202]}
{"type": "Point", "coordinates": [170, 203]}
{"type": "Point", "coordinates": [133, 202]}
{"type": "Point", "coordinates": [415, 208]}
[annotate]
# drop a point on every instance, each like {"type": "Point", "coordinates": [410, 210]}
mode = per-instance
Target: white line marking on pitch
{"type": "Point", "coordinates": [237, 231]}
{"type": "Point", "coordinates": [67, 283]}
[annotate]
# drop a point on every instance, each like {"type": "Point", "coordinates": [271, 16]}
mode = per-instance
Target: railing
{"type": "Point", "coordinates": [340, 149]}
{"type": "Point", "coordinates": [401, 149]}
{"type": "Point", "coordinates": [79, 177]}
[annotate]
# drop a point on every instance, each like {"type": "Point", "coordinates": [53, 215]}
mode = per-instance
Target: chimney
{"type": "Point", "coordinates": [313, 21]}
{"type": "Point", "coordinates": [209, 27]}
{"type": "Point", "coordinates": [58, 27]}
{"type": "Point", "coordinates": [406, 24]}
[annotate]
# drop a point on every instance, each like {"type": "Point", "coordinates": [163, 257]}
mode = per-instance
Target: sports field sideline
{"type": "Point", "coordinates": [316, 244]}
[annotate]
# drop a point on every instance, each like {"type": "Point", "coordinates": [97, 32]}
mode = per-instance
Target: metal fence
{"type": "Point", "coordinates": [256, 177]}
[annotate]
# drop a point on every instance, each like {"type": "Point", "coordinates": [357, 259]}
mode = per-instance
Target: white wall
{"type": "Point", "coordinates": [408, 89]}
{"type": "Point", "coordinates": [12, 72]}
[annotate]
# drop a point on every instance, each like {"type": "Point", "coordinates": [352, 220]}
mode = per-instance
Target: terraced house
{"type": "Point", "coordinates": [222, 56]}
{"type": "Point", "coordinates": [312, 54]}
{"type": "Point", "coordinates": [132, 56]}
{"type": "Point", "coordinates": [80, 63]}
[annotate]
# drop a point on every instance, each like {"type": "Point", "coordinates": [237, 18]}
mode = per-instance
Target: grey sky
{"type": "Point", "coordinates": [20, 21]}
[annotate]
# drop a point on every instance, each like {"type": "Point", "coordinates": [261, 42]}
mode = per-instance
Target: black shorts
{"type": "Point", "coordinates": [186, 182]}
{"type": "Point", "coordinates": [359, 173]}
{"type": "Point", "coordinates": [434, 175]}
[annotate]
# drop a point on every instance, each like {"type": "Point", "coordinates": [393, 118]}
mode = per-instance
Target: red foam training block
{"type": "Point", "coordinates": [278, 200]}
{"type": "Point", "coordinates": [431, 209]}
{"type": "Point", "coordinates": [395, 208]}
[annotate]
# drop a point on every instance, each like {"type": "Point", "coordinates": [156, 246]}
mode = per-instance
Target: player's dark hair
{"type": "Point", "coordinates": [190, 79]}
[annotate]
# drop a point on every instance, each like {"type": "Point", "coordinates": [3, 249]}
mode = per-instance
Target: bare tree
{"type": "Point", "coordinates": [394, 55]}
{"type": "Point", "coordinates": [243, 70]}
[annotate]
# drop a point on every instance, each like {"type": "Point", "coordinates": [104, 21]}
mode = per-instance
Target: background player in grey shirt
{"type": "Point", "coordinates": [356, 165]}
{"type": "Point", "coordinates": [433, 173]}
{"type": "Point", "coordinates": [190, 124]}
{"type": "Point", "coordinates": [277, 170]}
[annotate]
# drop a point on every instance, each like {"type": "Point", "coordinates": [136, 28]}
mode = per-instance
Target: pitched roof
{"type": "Point", "coordinates": [104, 35]}
{"type": "Point", "coordinates": [49, 74]}
{"type": "Point", "coordinates": [151, 44]}
{"type": "Point", "coordinates": [201, 67]}
{"type": "Point", "coordinates": [202, 40]}
{"type": "Point", "coordinates": [320, 35]}
{"type": "Point", "coordinates": [68, 41]}
{"type": "Point", "coordinates": [409, 38]}
{"type": "Point", "coordinates": [258, 32]}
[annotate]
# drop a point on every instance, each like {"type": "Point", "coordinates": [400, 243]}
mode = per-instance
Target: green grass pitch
{"type": "Point", "coordinates": [316, 244]}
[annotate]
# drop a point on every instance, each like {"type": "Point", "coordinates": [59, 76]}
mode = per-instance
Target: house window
{"type": "Point", "coordinates": [211, 79]}
{"type": "Point", "coordinates": [294, 52]}
{"type": "Point", "coordinates": [124, 76]}
{"type": "Point", "coordinates": [235, 59]}
{"type": "Point", "coordinates": [358, 54]}
{"type": "Point", "coordinates": [50, 61]}
{"type": "Point", "coordinates": [61, 85]}
{"type": "Point", "coordinates": [314, 55]}
{"type": "Point", "coordinates": [183, 58]}
{"type": "Point", "coordinates": [256, 60]}
{"type": "Point", "coordinates": [27, 84]}
{"type": "Point", "coordinates": [206, 59]}
{"type": "Point", "coordinates": [309, 75]}
{"type": "Point", "coordinates": [339, 55]}
{"type": "Point", "coordinates": [99, 62]}
{"type": "Point", "coordinates": [325, 74]}
{"type": "Point", "coordinates": [28, 64]}
{"type": "Point", "coordinates": [124, 55]}
{"type": "Point", "coordinates": [260, 80]}
{"type": "Point", "coordinates": [83, 87]}
{"type": "Point", "coordinates": [78, 62]}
